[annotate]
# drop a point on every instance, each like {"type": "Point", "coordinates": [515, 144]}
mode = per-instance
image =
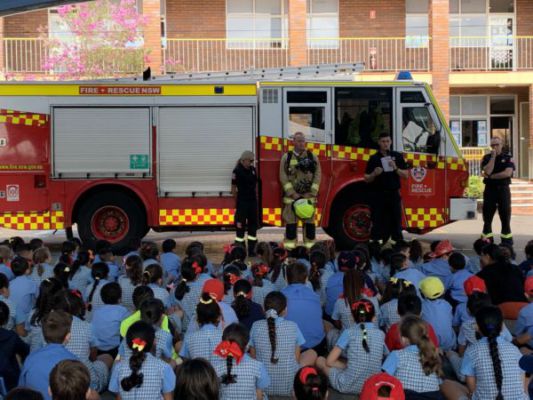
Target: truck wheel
{"type": "Point", "coordinates": [112, 216]}
{"type": "Point", "coordinates": [350, 222]}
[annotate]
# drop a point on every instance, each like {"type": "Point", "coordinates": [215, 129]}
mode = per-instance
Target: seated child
{"type": "Point", "coordinates": [11, 347]}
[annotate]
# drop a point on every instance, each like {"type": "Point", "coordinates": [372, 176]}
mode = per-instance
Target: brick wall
{"type": "Point", "coordinates": [297, 32]}
{"type": "Point", "coordinates": [440, 54]}
{"type": "Point", "coordinates": [354, 18]}
{"type": "Point", "coordinates": [26, 24]}
{"type": "Point", "coordinates": [152, 34]}
{"type": "Point", "coordinates": [194, 19]}
{"type": "Point", "coordinates": [524, 17]}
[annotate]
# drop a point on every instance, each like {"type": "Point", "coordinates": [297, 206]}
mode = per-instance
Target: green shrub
{"type": "Point", "coordinates": [475, 187]}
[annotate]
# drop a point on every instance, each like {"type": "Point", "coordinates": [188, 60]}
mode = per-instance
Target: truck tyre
{"type": "Point", "coordinates": [350, 221]}
{"type": "Point", "coordinates": [113, 216]}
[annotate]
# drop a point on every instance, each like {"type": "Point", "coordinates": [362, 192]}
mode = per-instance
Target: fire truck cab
{"type": "Point", "coordinates": [120, 157]}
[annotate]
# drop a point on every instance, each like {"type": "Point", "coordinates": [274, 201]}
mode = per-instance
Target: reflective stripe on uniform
{"type": "Point", "coordinates": [487, 235]}
{"type": "Point", "coordinates": [251, 237]}
{"type": "Point", "coordinates": [289, 244]}
{"type": "Point", "coordinates": [288, 186]}
{"type": "Point", "coordinates": [239, 239]}
{"type": "Point", "coordinates": [309, 243]}
{"type": "Point", "coordinates": [315, 186]}
{"type": "Point", "coordinates": [288, 200]}
{"type": "Point", "coordinates": [506, 236]}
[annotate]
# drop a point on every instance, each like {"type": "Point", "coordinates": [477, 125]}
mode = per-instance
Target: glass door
{"type": "Point", "coordinates": [502, 127]}
{"type": "Point", "coordinates": [502, 52]}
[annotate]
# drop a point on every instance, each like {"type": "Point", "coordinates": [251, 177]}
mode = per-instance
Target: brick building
{"type": "Point", "coordinates": [477, 54]}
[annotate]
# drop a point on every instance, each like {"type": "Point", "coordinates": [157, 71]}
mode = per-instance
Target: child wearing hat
{"type": "Point", "coordinates": [382, 386]}
{"type": "Point", "coordinates": [523, 328]}
{"type": "Point", "coordinates": [437, 311]}
{"type": "Point", "coordinates": [438, 266]}
{"type": "Point", "coordinates": [470, 286]}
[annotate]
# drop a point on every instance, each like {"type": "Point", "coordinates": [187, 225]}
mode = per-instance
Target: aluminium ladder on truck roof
{"type": "Point", "coordinates": [311, 72]}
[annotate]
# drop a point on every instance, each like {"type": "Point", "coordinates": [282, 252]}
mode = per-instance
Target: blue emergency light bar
{"type": "Point", "coordinates": [404, 76]}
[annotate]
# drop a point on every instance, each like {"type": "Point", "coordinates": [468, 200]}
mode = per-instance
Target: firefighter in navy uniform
{"type": "Point", "coordinates": [300, 175]}
{"type": "Point", "coordinates": [498, 169]}
{"type": "Point", "coordinates": [386, 202]}
{"type": "Point", "coordinates": [244, 188]}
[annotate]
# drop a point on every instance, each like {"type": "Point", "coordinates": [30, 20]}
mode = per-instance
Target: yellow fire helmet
{"type": "Point", "coordinates": [303, 208]}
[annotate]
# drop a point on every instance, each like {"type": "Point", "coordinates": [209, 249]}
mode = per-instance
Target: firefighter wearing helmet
{"type": "Point", "coordinates": [300, 178]}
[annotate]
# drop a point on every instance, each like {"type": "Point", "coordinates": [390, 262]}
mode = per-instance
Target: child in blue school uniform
{"type": "Point", "coordinates": [347, 261]}
{"type": "Point", "coordinates": [246, 310]}
{"type": "Point", "coordinates": [130, 280]}
{"type": "Point", "coordinates": [38, 365]}
{"type": "Point", "coordinates": [45, 302]}
{"type": "Point", "coordinates": [260, 285]}
{"type": "Point", "coordinates": [79, 277]}
{"type": "Point", "coordinates": [388, 310]}
{"type": "Point", "coordinates": [195, 250]}
{"type": "Point", "coordinates": [92, 297]}
{"type": "Point", "coordinates": [153, 312]}
{"type": "Point", "coordinates": [41, 265]}
{"type": "Point", "coordinates": [400, 264]}
{"type": "Point", "coordinates": [455, 292]}
{"type": "Point", "coordinates": [364, 344]}
{"type": "Point", "coordinates": [170, 261]}
{"type": "Point", "coordinates": [231, 274]}
{"type": "Point", "coordinates": [304, 308]}
{"type": "Point", "coordinates": [153, 277]}
{"type": "Point", "coordinates": [82, 340]}
{"type": "Point", "coordinates": [277, 343]}
{"type": "Point", "coordinates": [202, 343]}
{"type": "Point", "coordinates": [418, 365]}
{"type": "Point", "coordinates": [438, 265]}
{"type": "Point", "coordinates": [491, 365]}
{"type": "Point", "coordinates": [107, 256]}
{"type": "Point", "coordinates": [342, 317]}
{"type": "Point", "coordinates": [141, 375]}
{"type": "Point", "coordinates": [11, 347]}
{"type": "Point", "coordinates": [318, 274]}
{"type": "Point", "coordinates": [188, 291]}
{"type": "Point", "coordinates": [310, 383]}
{"type": "Point", "coordinates": [468, 334]}
{"type": "Point", "coordinates": [523, 329]}
{"type": "Point", "coordinates": [277, 274]}
{"type": "Point", "coordinates": [438, 312]}
{"type": "Point", "coordinates": [106, 320]}
{"type": "Point", "coordinates": [241, 377]}
{"type": "Point", "coordinates": [5, 259]}
{"type": "Point", "coordinates": [23, 290]}
{"type": "Point", "coordinates": [4, 296]}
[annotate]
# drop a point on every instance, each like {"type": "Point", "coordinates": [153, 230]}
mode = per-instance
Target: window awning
{"type": "Point", "coordinates": [16, 6]}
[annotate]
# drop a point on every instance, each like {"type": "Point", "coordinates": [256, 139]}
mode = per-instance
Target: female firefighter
{"type": "Point", "coordinates": [244, 189]}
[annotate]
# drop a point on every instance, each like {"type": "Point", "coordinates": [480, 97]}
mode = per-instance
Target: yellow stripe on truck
{"type": "Point", "coordinates": [89, 89]}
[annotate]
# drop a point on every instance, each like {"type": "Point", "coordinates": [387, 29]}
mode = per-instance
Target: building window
{"type": "Point", "coordinates": [58, 29]}
{"type": "Point", "coordinates": [472, 23]}
{"type": "Point", "coordinates": [361, 114]}
{"type": "Point", "coordinates": [323, 24]}
{"type": "Point", "coordinates": [252, 24]}
{"type": "Point", "coordinates": [416, 24]}
{"type": "Point", "coordinates": [475, 119]}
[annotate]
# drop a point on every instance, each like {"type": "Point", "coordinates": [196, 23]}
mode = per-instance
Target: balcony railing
{"type": "Point", "coordinates": [24, 55]}
{"type": "Point", "coordinates": [495, 53]}
{"type": "Point", "coordinates": [388, 54]}
{"type": "Point", "coordinates": [474, 155]}
{"type": "Point", "coordinates": [378, 53]}
{"type": "Point", "coordinates": [201, 55]}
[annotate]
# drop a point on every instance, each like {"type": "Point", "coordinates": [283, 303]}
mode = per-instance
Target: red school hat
{"type": "Point", "coordinates": [529, 285]}
{"type": "Point", "coordinates": [214, 288]}
{"type": "Point", "coordinates": [372, 386]}
{"type": "Point", "coordinates": [474, 284]}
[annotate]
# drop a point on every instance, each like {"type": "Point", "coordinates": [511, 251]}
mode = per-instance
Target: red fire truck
{"type": "Point", "coordinates": [119, 157]}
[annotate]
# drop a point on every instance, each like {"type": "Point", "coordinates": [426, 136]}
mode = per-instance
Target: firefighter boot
{"type": "Point", "coordinates": [309, 235]}
{"type": "Point", "coordinates": [252, 242]}
{"type": "Point", "coordinates": [290, 236]}
{"type": "Point", "coordinates": [507, 239]}
{"type": "Point", "coordinates": [488, 237]}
